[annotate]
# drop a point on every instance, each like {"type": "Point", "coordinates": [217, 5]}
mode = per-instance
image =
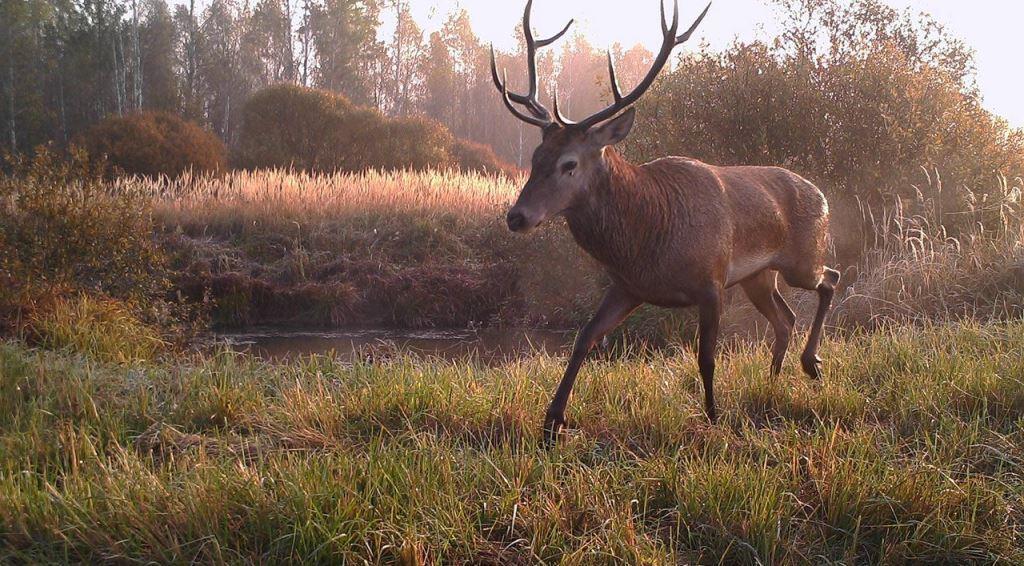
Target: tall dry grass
{"type": "Point", "coordinates": [279, 194]}
{"type": "Point", "coordinates": [407, 248]}
{"type": "Point", "coordinates": [946, 255]}
{"type": "Point", "coordinates": [395, 248]}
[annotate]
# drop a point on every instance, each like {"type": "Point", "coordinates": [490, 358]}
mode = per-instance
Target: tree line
{"type": "Point", "coordinates": [69, 63]}
{"type": "Point", "coordinates": [857, 95]}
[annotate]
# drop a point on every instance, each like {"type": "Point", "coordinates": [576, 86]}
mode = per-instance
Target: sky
{"type": "Point", "coordinates": [991, 27]}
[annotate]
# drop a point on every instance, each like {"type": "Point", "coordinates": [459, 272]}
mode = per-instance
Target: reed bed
{"type": "Point", "coordinates": [327, 240]}
{"type": "Point", "coordinates": [467, 196]}
{"type": "Point", "coordinates": [926, 259]}
{"type": "Point", "coordinates": [393, 248]}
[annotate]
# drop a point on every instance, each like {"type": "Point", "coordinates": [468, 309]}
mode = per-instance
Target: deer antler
{"type": "Point", "coordinates": [538, 114]}
{"type": "Point", "coordinates": [669, 42]}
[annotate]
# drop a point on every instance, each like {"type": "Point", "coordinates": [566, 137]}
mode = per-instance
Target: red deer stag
{"type": "Point", "coordinates": [674, 232]}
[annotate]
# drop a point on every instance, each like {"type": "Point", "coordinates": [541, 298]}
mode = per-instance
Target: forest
{"type": "Point", "coordinates": [70, 63]}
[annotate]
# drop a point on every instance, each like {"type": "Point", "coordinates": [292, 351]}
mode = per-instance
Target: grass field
{"type": "Point", "coordinates": [909, 450]}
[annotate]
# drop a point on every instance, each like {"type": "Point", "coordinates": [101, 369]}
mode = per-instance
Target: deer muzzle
{"type": "Point", "coordinates": [521, 219]}
{"type": "Point", "coordinates": [516, 220]}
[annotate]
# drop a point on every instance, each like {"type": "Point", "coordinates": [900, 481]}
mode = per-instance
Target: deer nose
{"type": "Point", "coordinates": [516, 220]}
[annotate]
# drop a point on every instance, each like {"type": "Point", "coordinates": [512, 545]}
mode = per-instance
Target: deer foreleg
{"type": "Point", "coordinates": [615, 307]}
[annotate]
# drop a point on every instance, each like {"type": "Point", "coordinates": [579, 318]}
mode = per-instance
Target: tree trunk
{"type": "Point", "coordinates": [137, 59]}
{"type": "Point", "coordinates": [306, 40]}
{"type": "Point", "coordinates": [190, 64]}
{"type": "Point", "coordinates": [60, 97]}
{"type": "Point", "coordinates": [399, 43]}
{"type": "Point", "coordinates": [12, 125]}
{"type": "Point", "coordinates": [118, 90]}
{"type": "Point", "coordinates": [289, 70]}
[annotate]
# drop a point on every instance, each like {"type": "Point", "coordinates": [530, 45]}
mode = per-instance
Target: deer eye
{"type": "Point", "coordinates": [569, 168]}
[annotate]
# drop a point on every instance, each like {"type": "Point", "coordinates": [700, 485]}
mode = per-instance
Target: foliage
{"type": "Point", "coordinates": [153, 144]}
{"type": "Point", "coordinates": [314, 130]}
{"type": "Point", "coordinates": [290, 126]}
{"type": "Point", "coordinates": [909, 451]}
{"type": "Point", "coordinates": [409, 143]}
{"type": "Point", "coordinates": [64, 231]}
{"type": "Point", "coordinates": [855, 95]}
{"type": "Point", "coordinates": [344, 36]}
{"type": "Point", "coordinates": [470, 156]}
{"type": "Point", "coordinates": [66, 65]}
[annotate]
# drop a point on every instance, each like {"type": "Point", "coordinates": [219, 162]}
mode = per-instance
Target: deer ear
{"type": "Point", "coordinates": [613, 131]}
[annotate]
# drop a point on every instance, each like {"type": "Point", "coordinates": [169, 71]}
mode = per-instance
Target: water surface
{"type": "Point", "coordinates": [490, 346]}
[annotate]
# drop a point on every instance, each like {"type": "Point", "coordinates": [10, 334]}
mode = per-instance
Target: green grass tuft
{"type": "Point", "coordinates": [908, 451]}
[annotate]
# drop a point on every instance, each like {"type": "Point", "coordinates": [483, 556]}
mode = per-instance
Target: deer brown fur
{"type": "Point", "coordinates": [674, 232]}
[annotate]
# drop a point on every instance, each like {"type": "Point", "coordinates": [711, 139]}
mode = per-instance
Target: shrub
{"type": "Point", "coordinates": [154, 143]}
{"type": "Point", "coordinates": [859, 106]}
{"type": "Point", "coordinates": [470, 156]}
{"type": "Point", "coordinates": [291, 126]}
{"type": "Point", "coordinates": [64, 231]}
{"type": "Point", "coordinates": [411, 143]}
{"type": "Point", "coordinates": [288, 126]}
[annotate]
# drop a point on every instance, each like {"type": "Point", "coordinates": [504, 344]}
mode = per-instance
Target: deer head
{"type": "Point", "coordinates": [572, 153]}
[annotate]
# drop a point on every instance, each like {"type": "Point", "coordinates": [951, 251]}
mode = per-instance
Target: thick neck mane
{"type": "Point", "coordinates": [624, 216]}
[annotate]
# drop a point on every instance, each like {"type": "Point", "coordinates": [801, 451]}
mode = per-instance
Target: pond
{"type": "Point", "coordinates": [489, 346]}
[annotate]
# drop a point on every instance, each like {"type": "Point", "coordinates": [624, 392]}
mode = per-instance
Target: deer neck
{"type": "Point", "coordinates": [616, 220]}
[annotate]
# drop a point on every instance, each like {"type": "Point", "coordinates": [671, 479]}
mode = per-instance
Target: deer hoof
{"type": "Point", "coordinates": [553, 427]}
{"type": "Point", "coordinates": [811, 365]}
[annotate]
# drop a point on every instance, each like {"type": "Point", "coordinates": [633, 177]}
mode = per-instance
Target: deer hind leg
{"type": "Point", "coordinates": [615, 307]}
{"type": "Point", "coordinates": [710, 309]}
{"type": "Point", "coordinates": [826, 287]}
{"type": "Point", "coordinates": [762, 291]}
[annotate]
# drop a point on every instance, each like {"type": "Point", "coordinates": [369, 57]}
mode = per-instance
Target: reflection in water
{"type": "Point", "coordinates": [490, 346]}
